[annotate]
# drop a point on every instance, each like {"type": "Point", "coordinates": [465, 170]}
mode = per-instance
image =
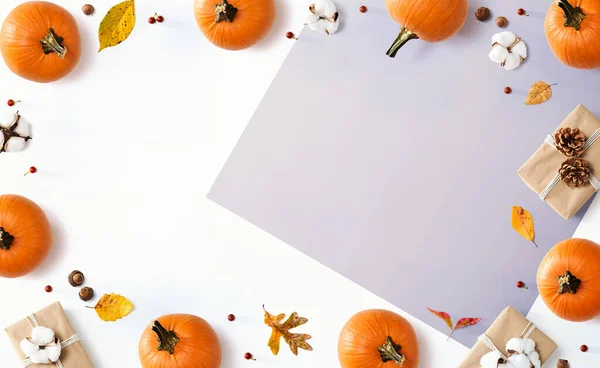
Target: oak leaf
{"type": "Point", "coordinates": [112, 307]}
{"type": "Point", "coordinates": [117, 24]}
{"type": "Point", "coordinates": [539, 93]}
{"type": "Point", "coordinates": [462, 323]}
{"type": "Point", "coordinates": [522, 221]}
{"type": "Point", "coordinates": [294, 340]}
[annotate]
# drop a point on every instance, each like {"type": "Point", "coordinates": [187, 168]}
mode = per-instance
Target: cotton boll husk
{"type": "Point", "coordinates": [534, 358]}
{"type": "Point", "coordinates": [41, 357]}
{"type": "Point", "coordinates": [40, 335]}
{"type": "Point", "coordinates": [15, 144]}
{"type": "Point", "coordinates": [520, 49]}
{"type": "Point", "coordinates": [528, 345]}
{"type": "Point", "coordinates": [53, 352]}
{"type": "Point", "coordinates": [515, 344]}
{"type": "Point", "coordinates": [498, 54]}
{"type": "Point", "coordinates": [490, 360]}
{"type": "Point", "coordinates": [23, 128]}
{"type": "Point", "coordinates": [504, 38]}
{"type": "Point", "coordinates": [512, 61]}
{"type": "Point", "coordinates": [28, 348]}
{"type": "Point", "coordinates": [1, 141]}
{"type": "Point", "coordinates": [325, 8]}
{"type": "Point", "coordinates": [520, 361]}
{"type": "Point", "coordinates": [332, 27]}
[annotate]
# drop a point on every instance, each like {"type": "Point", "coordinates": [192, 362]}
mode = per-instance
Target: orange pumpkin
{"type": "Point", "coordinates": [376, 339]}
{"type": "Point", "coordinates": [40, 41]}
{"type": "Point", "coordinates": [428, 20]}
{"type": "Point", "coordinates": [568, 279]}
{"type": "Point", "coordinates": [179, 341]}
{"type": "Point", "coordinates": [236, 25]}
{"type": "Point", "coordinates": [25, 236]}
{"type": "Point", "coordinates": [572, 30]}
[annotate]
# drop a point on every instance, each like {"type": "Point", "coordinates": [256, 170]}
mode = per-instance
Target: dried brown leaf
{"type": "Point", "coordinates": [294, 340]}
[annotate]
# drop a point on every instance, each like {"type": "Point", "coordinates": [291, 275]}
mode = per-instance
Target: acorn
{"type": "Point", "coordinates": [482, 14]}
{"type": "Point", "coordinates": [86, 293]}
{"type": "Point", "coordinates": [562, 363]}
{"type": "Point", "coordinates": [76, 278]}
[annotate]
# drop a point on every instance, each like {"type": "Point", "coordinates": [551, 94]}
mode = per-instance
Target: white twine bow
{"type": "Point", "coordinates": [63, 344]}
{"type": "Point", "coordinates": [496, 354]}
{"type": "Point", "coordinates": [593, 181]}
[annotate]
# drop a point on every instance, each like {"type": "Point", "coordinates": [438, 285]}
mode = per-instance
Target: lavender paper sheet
{"type": "Point", "coordinates": [400, 173]}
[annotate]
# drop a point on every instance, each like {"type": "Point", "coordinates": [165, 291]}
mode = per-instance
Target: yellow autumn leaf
{"type": "Point", "coordinates": [112, 307]}
{"type": "Point", "coordinates": [522, 222]}
{"type": "Point", "coordinates": [117, 24]}
{"type": "Point", "coordinates": [539, 93]}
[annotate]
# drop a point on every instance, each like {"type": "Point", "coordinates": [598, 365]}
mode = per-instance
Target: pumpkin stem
{"type": "Point", "coordinates": [568, 283]}
{"type": "Point", "coordinates": [167, 339]}
{"type": "Point", "coordinates": [6, 239]}
{"type": "Point", "coordinates": [225, 11]}
{"type": "Point", "coordinates": [52, 43]}
{"type": "Point", "coordinates": [404, 36]}
{"type": "Point", "coordinates": [573, 16]}
{"type": "Point", "coordinates": [390, 351]}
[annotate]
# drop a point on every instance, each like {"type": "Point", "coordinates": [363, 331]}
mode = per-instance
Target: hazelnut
{"type": "Point", "coordinates": [88, 9]}
{"type": "Point", "coordinates": [501, 22]}
{"type": "Point", "coordinates": [86, 293]}
{"type": "Point", "coordinates": [76, 278]}
{"type": "Point", "coordinates": [562, 363]}
{"type": "Point", "coordinates": [482, 14]}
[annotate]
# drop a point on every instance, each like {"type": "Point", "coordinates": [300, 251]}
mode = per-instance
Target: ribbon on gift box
{"type": "Point", "coordinates": [592, 179]}
{"type": "Point", "coordinates": [63, 344]}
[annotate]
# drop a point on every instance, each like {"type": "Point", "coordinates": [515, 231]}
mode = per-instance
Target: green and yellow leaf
{"type": "Point", "coordinates": [117, 24]}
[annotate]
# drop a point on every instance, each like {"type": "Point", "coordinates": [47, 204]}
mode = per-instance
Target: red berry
{"type": "Point", "coordinates": [507, 90]}
{"type": "Point", "coordinates": [160, 19]}
{"type": "Point", "coordinates": [48, 288]}
{"type": "Point", "coordinates": [32, 170]}
{"type": "Point", "coordinates": [584, 348]}
{"type": "Point", "coordinates": [362, 9]}
{"type": "Point", "coordinates": [521, 285]}
{"type": "Point", "coordinates": [289, 35]}
{"type": "Point", "coordinates": [11, 102]}
{"type": "Point", "coordinates": [248, 356]}
{"type": "Point", "coordinates": [521, 11]}
{"type": "Point", "coordinates": [151, 20]}
{"type": "Point", "coordinates": [231, 317]}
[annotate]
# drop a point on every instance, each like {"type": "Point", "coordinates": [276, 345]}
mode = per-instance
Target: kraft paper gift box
{"type": "Point", "coordinates": [53, 317]}
{"type": "Point", "coordinates": [510, 323]}
{"type": "Point", "coordinates": [542, 168]}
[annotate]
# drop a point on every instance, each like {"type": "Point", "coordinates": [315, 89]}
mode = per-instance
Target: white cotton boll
{"type": "Point", "coordinates": [325, 8]}
{"type": "Point", "coordinates": [41, 357]}
{"type": "Point", "coordinates": [332, 27]}
{"type": "Point", "coordinates": [28, 348]}
{"type": "Point", "coordinates": [534, 358]}
{"type": "Point", "coordinates": [504, 38]}
{"type": "Point", "coordinates": [519, 361]}
{"type": "Point", "coordinates": [515, 344]}
{"type": "Point", "coordinates": [53, 352]}
{"type": "Point", "coordinates": [498, 54]}
{"type": "Point", "coordinates": [512, 62]}
{"type": "Point", "coordinates": [7, 119]}
{"type": "Point", "coordinates": [23, 128]}
{"type": "Point", "coordinates": [15, 144]}
{"type": "Point", "coordinates": [490, 360]}
{"type": "Point", "coordinates": [311, 18]}
{"type": "Point", "coordinates": [528, 345]}
{"type": "Point", "coordinates": [520, 49]}
{"type": "Point", "coordinates": [41, 335]}
{"type": "Point", "coordinates": [319, 26]}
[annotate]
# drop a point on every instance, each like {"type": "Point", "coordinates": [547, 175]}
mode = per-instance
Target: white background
{"type": "Point", "coordinates": [127, 147]}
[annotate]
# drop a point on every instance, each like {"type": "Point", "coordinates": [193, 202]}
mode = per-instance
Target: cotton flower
{"type": "Point", "coordinates": [515, 344]}
{"type": "Point", "coordinates": [508, 50]}
{"type": "Point", "coordinates": [43, 347]}
{"type": "Point", "coordinates": [534, 358]}
{"type": "Point", "coordinates": [323, 17]}
{"type": "Point", "coordinates": [14, 133]}
{"type": "Point", "coordinates": [528, 345]}
{"type": "Point", "coordinates": [519, 361]}
{"type": "Point", "coordinates": [491, 360]}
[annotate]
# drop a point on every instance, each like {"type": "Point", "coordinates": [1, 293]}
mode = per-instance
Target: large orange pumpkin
{"type": "Point", "coordinates": [568, 279]}
{"type": "Point", "coordinates": [25, 236]}
{"type": "Point", "coordinates": [179, 341]}
{"type": "Point", "coordinates": [40, 41]}
{"type": "Point", "coordinates": [428, 20]}
{"type": "Point", "coordinates": [234, 25]}
{"type": "Point", "coordinates": [378, 339]}
{"type": "Point", "coordinates": [573, 30]}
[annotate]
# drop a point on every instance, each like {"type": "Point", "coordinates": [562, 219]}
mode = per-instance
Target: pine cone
{"type": "Point", "coordinates": [575, 172]}
{"type": "Point", "coordinates": [569, 141]}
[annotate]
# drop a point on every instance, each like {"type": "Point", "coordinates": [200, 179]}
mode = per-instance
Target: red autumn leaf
{"type": "Point", "coordinates": [443, 315]}
{"type": "Point", "coordinates": [464, 322]}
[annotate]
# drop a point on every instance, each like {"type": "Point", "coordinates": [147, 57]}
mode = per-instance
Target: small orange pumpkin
{"type": "Point", "coordinates": [25, 236]}
{"type": "Point", "coordinates": [573, 30]}
{"type": "Point", "coordinates": [179, 341]}
{"type": "Point", "coordinates": [40, 41]}
{"type": "Point", "coordinates": [428, 20]}
{"type": "Point", "coordinates": [568, 279]}
{"type": "Point", "coordinates": [376, 339]}
{"type": "Point", "coordinates": [236, 25]}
